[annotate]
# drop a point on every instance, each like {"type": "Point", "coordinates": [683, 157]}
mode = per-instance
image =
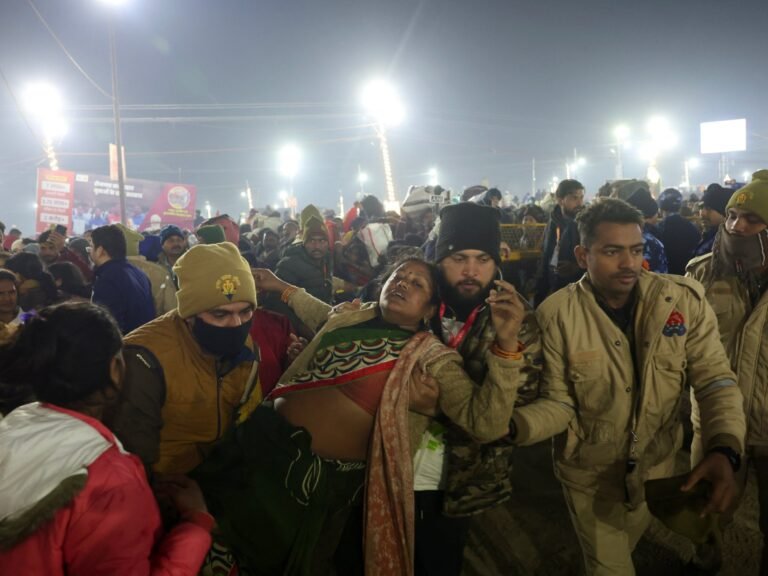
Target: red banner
{"type": "Point", "coordinates": [92, 201]}
{"type": "Point", "coordinates": [55, 198]}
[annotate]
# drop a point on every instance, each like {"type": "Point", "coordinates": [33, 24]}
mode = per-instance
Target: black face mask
{"type": "Point", "coordinates": [220, 341]}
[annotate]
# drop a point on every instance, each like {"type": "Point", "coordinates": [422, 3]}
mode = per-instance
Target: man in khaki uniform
{"type": "Point", "coordinates": [735, 278]}
{"type": "Point", "coordinates": [619, 346]}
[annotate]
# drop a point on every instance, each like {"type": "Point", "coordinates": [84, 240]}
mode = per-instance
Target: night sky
{"type": "Point", "coordinates": [488, 86]}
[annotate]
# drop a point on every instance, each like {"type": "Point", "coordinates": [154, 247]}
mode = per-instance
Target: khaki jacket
{"type": "Point", "coordinates": [603, 415]}
{"type": "Point", "coordinates": [743, 329]}
{"type": "Point", "coordinates": [163, 288]}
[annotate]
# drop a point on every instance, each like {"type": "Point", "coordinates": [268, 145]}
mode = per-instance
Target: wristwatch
{"type": "Point", "coordinates": [733, 457]}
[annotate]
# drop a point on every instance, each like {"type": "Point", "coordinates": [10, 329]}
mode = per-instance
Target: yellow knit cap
{"type": "Point", "coordinates": [212, 275]}
{"type": "Point", "coordinates": [753, 197]}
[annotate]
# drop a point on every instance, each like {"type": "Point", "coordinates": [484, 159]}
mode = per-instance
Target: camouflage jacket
{"type": "Point", "coordinates": [479, 476]}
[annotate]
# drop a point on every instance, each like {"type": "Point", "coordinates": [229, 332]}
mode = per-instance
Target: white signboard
{"type": "Point", "coordinates": [725, 136]}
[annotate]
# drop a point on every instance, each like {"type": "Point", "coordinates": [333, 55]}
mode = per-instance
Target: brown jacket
{"type": "Point", "coordinates": [176, 400]}
{"type": "Point", "coordinates": [602, 415]}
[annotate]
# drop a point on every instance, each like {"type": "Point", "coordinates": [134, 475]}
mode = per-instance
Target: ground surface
{"type": "Point", "coordinates": [532, 534]}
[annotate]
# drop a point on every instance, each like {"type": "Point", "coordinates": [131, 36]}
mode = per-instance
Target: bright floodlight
{"type": "Point", "coordinates": [114, 2]}
{"type": "Point", "coordinates": [621, 132]}
{"type": "Point", "coordinates": [432, 173]}
{"type": "Point", "coordinates": [44, 103]}
{"type": "Point", "coordinates": [746, 175]}
{"type": "Point", "coordinates": [362, 178]}
{"type": "Point", "coordinates": [661, 133]}
{"type": "Point", "coordinates": [288, 161]}
{"type": "Point", "coordinates": [693, 162]}
{"type": "Point", "coordinates": [380, 100]}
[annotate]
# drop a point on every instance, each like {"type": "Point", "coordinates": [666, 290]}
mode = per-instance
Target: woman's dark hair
{"type": "Point", "coordinates": [62, 356]}
{"type": "Point", "coordinates": [534, 211]}
{"type": "Point", "coordinates": [72, 279]}
{"type": "Point", "coordinates": [31, 268]}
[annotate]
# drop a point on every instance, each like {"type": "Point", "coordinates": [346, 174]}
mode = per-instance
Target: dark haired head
{"type": "Point", "coordinates": [29, 267]}
{"type": "Point", "coordinates": [567, 187]}
{"type": "Point", "coordinates": [111, 239]}
{"type": "Point", "coordinates": [44, 237]}
{"type": "Point", "coordinates": [534, 211]}
{"type": "Point", "coordinates": [70, 279]}
{"type": "Point", "coordinates": [63, 356]}
{"type": "Point", "coordinates": [610, 210]}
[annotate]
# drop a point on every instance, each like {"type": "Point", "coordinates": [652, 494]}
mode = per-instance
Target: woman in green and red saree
{"type": "Point", "coordinates": [338, 429]}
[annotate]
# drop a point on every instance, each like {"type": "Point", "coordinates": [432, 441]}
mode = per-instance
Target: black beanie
{"type": "Point", "coordinates": [468, 226]}
{"type": "Point", "coordinates": [716, 198]}
{"type": "Point", "coordinates": [643, 201]}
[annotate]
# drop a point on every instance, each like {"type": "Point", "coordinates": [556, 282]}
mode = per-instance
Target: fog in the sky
{"type": "Point", "coordinates": [211, 89]}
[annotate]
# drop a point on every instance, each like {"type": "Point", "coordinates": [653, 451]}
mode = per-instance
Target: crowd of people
{"type": "Point", "coordinates": [342, 394]}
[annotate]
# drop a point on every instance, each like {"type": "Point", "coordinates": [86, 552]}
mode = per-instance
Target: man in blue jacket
{"type": "Point", "coordinates": [558, 266]}
{"type": "Point", "coordinates": [119, 286]}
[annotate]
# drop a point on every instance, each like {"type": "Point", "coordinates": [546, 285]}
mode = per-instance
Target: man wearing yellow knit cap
{"type": "Point", "coordinates": [735, 279]}
{"type": "Point", "coordinates": [193, 371]}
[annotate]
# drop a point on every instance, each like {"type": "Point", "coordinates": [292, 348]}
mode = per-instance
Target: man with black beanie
{"type": "Point", "coordinates": [455, 478]}
{"type": "Point", "coordinates": [712, 214]}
